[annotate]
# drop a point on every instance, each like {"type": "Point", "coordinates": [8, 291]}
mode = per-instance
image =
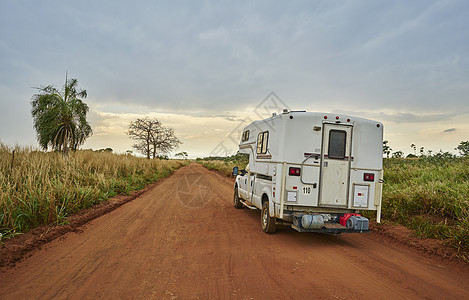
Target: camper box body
{"type": "Point", "coordinates": [313, 163]}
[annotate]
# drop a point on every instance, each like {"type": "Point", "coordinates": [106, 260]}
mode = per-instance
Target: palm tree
{"type": "Point", "coordinates": [59, 117]}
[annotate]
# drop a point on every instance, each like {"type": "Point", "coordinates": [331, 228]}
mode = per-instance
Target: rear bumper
{"type": "Point", "coordinates": [325, 227]}
{"type": "Point", "coordinates": [330, 229]}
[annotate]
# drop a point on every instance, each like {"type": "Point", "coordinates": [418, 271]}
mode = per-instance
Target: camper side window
{"type": "Point", "coordinates": [262, 139]}
{"type": "Point", "coordinates": [337, 142]}
{"type": "Point", "coordinates": [245, 136]}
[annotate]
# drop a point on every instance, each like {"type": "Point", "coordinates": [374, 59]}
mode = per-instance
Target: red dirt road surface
{"type": "Point", "coordinates": [184, 240]}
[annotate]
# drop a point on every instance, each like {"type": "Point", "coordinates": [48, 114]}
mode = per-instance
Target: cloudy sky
{"type": "Point", "coordinates": [206, 67]}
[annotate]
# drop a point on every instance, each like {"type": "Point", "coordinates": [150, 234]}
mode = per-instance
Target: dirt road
{"type": "Point", "coordinates": [184, 240]}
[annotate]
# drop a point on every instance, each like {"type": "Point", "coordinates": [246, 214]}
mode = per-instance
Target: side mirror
{"type": "Point", "coordinates": [235, 171]}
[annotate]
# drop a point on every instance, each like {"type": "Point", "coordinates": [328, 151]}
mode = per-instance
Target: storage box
{"type": "Point", "coordinates": [358, 223]}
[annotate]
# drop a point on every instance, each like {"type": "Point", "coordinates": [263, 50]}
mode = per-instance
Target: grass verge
{"type": "Point", "coordinates": [38, 188]}
{"type": "Point", "coordinates": [224, 165]}
{"type": "Point", "coordinates": [429, 196]}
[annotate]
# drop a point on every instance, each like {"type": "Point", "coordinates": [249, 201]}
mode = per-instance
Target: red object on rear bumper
{"type": "Point", "coordinates": [343, 218]}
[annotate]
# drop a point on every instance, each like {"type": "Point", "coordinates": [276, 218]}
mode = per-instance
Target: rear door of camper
{"type": "Point", "coordinates": [335, 167]}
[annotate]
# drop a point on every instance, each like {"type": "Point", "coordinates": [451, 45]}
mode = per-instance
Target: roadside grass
{"type": "Point", "coordinates": [38, 188]}
{"type": "Point", "coordinates": [429, 195]}
{"type": "Point", "coordinates": [225, 165]}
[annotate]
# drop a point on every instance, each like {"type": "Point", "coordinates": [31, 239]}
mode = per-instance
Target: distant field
{"type": "Point", "coordinates": [38, 188]}
{"type": "Point", "coordinates": [429, 195]}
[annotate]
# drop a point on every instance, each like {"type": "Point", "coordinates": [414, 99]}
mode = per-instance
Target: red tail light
{"type": "Point", "coordinates": [294, 171]}
{"type": "Point", "coordinates": [368, 177]}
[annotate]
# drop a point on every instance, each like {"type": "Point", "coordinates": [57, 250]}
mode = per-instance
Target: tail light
{"type": "Point", "coordinates": [294, 171]}
{"type": "Point", "coordinates": [368, 177]}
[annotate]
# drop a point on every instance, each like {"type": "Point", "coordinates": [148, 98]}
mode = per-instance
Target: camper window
{"type": "Point", "coordinates": [245, 136]}
{"type": "Point", "coordinates": [337, 142]}
{"type": "Point", "coordinates": [262, 139]}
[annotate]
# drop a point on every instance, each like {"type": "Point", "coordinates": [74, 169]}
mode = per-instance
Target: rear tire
{"type": "Point", "coordinates": [236, 201]}
{"type": "Point", "coordinates": [267, 222]}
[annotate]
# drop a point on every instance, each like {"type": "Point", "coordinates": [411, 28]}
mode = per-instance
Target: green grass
{"type": "Point", "coordinates": [429, 196]}
{"type": "Point", "coordinates": [38, 188]}
{"type": "Point", "coordinates": [225, 165]}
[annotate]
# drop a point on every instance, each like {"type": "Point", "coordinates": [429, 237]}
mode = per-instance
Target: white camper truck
{"type": "Point", "coordinates": [312, 171]}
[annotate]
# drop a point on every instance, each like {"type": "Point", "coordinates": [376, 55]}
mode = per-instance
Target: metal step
{"type": "Point", "coordinates": [248, 206]}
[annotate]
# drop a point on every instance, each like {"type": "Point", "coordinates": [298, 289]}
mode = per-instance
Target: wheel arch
{"type": "Point", "coordinates": [265, 198]}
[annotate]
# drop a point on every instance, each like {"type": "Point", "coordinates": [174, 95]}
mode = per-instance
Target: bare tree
{"type": "Point", "coordinates": [140, 131]}
{"type": "Point", "coordinates": [152, 138]}
{"type": "Point", "coordinates": [164, 141]}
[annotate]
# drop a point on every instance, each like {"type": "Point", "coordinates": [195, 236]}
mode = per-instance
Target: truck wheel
{"type": "Point", "coordinates": [267, 222]}
{"type": "Point", "coordinates": [236, 201]}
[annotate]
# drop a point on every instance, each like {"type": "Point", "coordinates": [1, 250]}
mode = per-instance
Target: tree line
{"type": "Point", "coordinates": [462, 148]}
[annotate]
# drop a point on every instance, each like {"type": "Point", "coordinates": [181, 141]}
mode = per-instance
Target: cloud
{"type": "Point", "coordinates": [415, 118]}
{"type": "Point", "coordinates": [401, 117]}
{"type": "Point", "coordinates": [206, 66]}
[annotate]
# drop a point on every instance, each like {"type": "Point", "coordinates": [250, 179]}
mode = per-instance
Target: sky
{"type": "Point", "coordinates": [208, 68]}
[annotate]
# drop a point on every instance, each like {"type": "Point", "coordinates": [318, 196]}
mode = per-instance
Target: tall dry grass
{"type": "Point", "coordinates": [39, 188]}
